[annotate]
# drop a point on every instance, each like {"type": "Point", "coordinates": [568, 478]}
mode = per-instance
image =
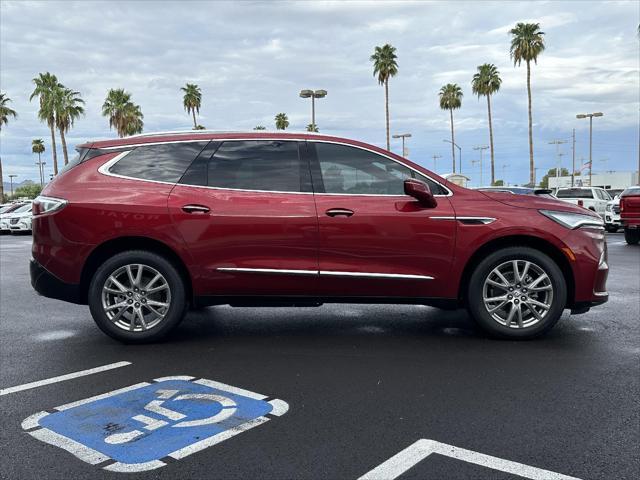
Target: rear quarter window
{"type": "Point", "coordinates": [161, 163]}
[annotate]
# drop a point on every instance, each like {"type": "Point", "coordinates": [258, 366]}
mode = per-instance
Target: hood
{"type": "Point", "coordinates": [535, 202]}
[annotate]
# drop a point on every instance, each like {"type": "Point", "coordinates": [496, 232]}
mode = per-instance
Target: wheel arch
{"type": "Point", "coordinates": [538, 243]}
{"type": "Point", "coordinates": [122, 244]}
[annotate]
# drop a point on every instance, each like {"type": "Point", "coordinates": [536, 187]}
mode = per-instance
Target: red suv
{"type": "Point", "coordinates": [145, 227]}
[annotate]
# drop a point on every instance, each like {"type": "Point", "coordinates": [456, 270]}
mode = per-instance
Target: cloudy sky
{"type": "Point", "coordinates": [252, 58]}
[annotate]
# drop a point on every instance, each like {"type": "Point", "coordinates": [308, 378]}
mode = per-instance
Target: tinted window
{"type": "Point", "coordinates": [196, 174]}
{"type": "Point", "coordinates": [353, 171]}
{"type": "Point", "coordinates": [631, 191]}
{"type": "Point", "coordinates": [575, 193]}
{"type": "Point", "coordinates": [165, 163]}
{"type": "Point", "coordinates": [259, 165]}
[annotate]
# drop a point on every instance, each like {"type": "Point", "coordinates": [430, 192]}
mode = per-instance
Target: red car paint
{"type": "Point", "coordinates": [630, 208]}
{"type": "Point", "coordinates": [269, 230]}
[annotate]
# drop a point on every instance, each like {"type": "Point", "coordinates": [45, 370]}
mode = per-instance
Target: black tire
{"type": "Point", "coordinates": [631, 235]}
{"type": "Point", "coordinates": [174, 314]}
{"type": "Point", "coordinates": [612, 228]}
{"type": "Point", "coordinates": [481, 315]}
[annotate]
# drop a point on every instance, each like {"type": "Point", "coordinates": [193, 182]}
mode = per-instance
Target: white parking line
{"type": "Point", "coordinates": [62, 378]}
{"type": "Point", "coordinates": [410, 456]}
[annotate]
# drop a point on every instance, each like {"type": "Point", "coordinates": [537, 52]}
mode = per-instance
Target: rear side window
{"type": "Point", "coordinates": [353, 171]}
{"type": "Point", "coordinates": [163, 163]}
{"type": "Point", "coordinates": [575, 193]}
{"type": "Point", "coordinates": [259, 165]}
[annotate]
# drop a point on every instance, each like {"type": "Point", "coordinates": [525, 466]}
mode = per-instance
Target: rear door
{"type": "Point", "coordinates": [246, 212]}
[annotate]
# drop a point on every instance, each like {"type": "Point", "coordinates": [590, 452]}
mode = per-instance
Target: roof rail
{"type": "Point", "coordinates": [191, 132]}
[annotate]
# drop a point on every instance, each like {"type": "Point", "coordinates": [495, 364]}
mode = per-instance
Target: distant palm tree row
{"type": "Point", "coordinates": [527, 43]}
{"type": "Point", "coordinates": [61, 106]}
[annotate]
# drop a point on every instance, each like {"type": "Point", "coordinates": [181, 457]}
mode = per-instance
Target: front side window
{"type": "Point", "coordinates": [163, 163]}
{"type": "Point", "coordinates": [269, 165]}
{"type": "Point", "coordinates": [354, 171]}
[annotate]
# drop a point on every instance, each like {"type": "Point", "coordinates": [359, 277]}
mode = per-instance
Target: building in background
{"type": "Point", "coordinates": [456, 178]}
{"type": "Point", "coordinates": [608, 180]}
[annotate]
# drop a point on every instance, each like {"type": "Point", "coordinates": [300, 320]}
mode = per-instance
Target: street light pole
{"type": "Point", "coordinates": [557, 143]}
{"type": "Point", "coordinates": [459, 156]}
{"type": "Point", "coordinates": [11, 177]}
{"type": "Point", "coordinates": [481, 148]}
{"type": "Point", "coordinates": [590, 116]}
{"type": "Point", "coordinates": [313, 95]}
{"type": "Point", "coordinates": [435, 159]}
{"type": "Point", "coordinates": [403, 136]}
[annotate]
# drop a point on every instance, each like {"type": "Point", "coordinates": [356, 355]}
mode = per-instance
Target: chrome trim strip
{"type": "Point", "coordinates": [601, 294]}
{"type": "Point", "coordinates": [483, 220]}
{"type": "Point", "coordinates": [268, 270]}
{"type": "Point", "coordinates": [331, 273]}
{"type": "Point", "coordinates": [375, 275]}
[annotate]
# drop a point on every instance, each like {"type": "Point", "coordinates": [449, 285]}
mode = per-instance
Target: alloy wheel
{"type": "Point", "coordinates": [136, 297]}
{"type": "Point", "coordinates": [518, 294]}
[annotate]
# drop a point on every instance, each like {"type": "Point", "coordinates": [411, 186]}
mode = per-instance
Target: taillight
{"type": "Point", "coordinates": [621, 204]}
{"type": "Point", "coordinates": [42, 205]}
{"type": "Point", "coordinates": [580, 203]}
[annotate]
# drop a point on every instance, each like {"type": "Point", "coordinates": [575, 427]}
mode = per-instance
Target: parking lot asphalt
{"type": "Point", "coordinates": [362, 384]}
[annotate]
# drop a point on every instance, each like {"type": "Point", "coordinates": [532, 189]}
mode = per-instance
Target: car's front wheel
{"type": "Point", "coordinates": [517, 292]}
{"type": "Point", "coordinates": [137, 297]}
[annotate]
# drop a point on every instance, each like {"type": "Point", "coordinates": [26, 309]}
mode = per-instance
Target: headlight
{"type": "Point", "coordinates": [573, 220]}
{"type": "Point", "coordinates": [47, 205]}
{"type": "Point", "coordinates": [609, 207]}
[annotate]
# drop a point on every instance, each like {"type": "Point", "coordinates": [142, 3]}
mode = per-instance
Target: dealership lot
{"type": "Point", "coordinates": [358, 385]}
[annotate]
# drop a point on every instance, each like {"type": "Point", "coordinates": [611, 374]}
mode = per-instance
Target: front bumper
{"type": "Point", "coordinates": [48, 285]}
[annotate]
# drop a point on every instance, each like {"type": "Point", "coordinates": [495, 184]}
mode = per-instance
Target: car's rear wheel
{"type": "Point", "coordinates": [137, 297]}
{"type": "Point", "coordinates": [517, 292]}
{"type": "Point", "coordinates": [631, 235]}
{"type": "Point", "coordinates": [612, 228]}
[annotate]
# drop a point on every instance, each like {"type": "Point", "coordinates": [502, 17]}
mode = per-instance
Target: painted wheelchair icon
{"type": "Point", "coordinates": [143, 426]}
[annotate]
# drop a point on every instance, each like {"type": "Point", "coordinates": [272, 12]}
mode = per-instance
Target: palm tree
{"type": "Point", "coordinates": [125, 116]}
{"type": "Point", "coordinates": [5, 113]}
{"type": "Point", "coordinates": [37, 146]}
{"type": "Point", "coordinates": [259, 127]}
{"type": "Point", "coordinates": [312, 128]}
{"type": "Point", "coordinates": [282, 122]}
{"type": "Point", "coordinates": [48, 91]}
{"type": "Point", "coordinates": [192, 100]}
{"type": "Point", "coordinates": [451, 99]}
{"type": "Point", "coordinates": [527, 43]}
{"type": "Point", "coordinates": [385, 67]}
{"type": "Point", "coordinates": [68, 109]}
{"type": "Point", "coordinates": [487, 82]}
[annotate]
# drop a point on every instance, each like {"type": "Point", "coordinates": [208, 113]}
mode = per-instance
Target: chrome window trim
{"type": "Point", "coordinates": [332, 273]}
{"type": "Point", "coordinates": [104, 169]}
{"type": "Point", "coordinates": [313, 140]}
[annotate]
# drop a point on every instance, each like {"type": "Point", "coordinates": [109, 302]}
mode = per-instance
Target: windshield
{"type": "Point", "coordinates": [575, 193]}
{"type": "Point", "coordinates": [23, 208]}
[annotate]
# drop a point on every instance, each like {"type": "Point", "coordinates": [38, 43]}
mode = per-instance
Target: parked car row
{"type": "Point", "coordinates": [16, 217]}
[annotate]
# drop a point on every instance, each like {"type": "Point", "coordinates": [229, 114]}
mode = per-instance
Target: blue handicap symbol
{"type": "Point", "coordinates": [168, 418]}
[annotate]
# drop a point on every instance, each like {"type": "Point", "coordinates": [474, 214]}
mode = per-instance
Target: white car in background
{"type": "Point", "coordinates": [592, 198]}
{"type": "Point", "coordinates": [18, 220]}
{"type": "Point", "coordinates": [612, 215]}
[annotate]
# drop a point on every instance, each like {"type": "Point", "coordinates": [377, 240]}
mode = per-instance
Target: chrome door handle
{"type": "Point", "coordinates": [195, 209]}
{"type": "Point", "coordinates": [339, 212]}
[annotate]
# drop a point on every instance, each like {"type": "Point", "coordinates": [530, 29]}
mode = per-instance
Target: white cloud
{"type": "Point", "coordinates": [251, 60]}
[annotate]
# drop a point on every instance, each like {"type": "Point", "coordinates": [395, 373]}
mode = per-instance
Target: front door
{"type": "Point", "coordinates": [374, 240]}
{"type": "Point", "coordinates": [248, 218]}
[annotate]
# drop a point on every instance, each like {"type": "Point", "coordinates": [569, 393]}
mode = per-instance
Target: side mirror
{"type": "Point", "coordinates": [420, 191]}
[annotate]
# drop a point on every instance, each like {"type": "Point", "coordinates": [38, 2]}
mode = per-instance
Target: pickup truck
{"type": "Point", "coordinates": [630, 214]}
{"type": "Point", "coordinates": [592, 198]}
